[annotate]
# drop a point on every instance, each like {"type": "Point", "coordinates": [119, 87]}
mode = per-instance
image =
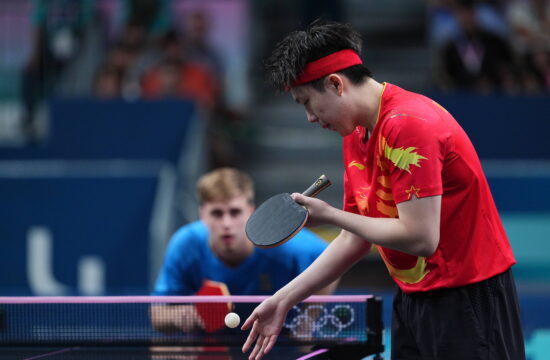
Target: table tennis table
{"type": "Point", "coordinates": [139, 353]}
{"type": "Point", "coordinates": [118, 328]}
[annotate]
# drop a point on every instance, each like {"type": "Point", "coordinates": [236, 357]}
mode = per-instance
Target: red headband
{"type": "Point", "coordinates": [327, 65]}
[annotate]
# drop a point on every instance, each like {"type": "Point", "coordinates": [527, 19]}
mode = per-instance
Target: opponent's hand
{"type": "Point", "coordinates": [319, 210]}
{"type": "Point", "coordinates": [266, 322]}
{"type": "Point", "coordinates": [170, 319]}
{"type": "Point", "coordinates": [187, 319]}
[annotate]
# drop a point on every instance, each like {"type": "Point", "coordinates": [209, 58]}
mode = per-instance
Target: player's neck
{"type": "Point", "coordinates": [235, 257]}
{"type": "Point", "coordinates": [368, 100]}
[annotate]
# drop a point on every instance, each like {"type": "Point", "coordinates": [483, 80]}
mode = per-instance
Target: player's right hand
{"type": "Point", "coordinates": [319, 210]}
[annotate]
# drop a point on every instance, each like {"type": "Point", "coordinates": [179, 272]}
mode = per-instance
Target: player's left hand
{"type": "Point", "coordinates": [319, 210]}
{"type": "Point", "coordinates": [266, 322]}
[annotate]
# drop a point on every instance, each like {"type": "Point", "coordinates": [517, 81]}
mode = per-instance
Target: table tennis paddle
{"type": "Point", "coordinates": [213, 314]}
{"type": "Point", "coordinates": [279, 218]}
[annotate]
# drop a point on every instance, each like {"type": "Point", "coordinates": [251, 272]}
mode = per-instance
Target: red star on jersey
{"type": "Point", "coordinates": [413, 190]}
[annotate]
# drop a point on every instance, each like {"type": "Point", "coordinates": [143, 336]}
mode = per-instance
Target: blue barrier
{"type": "Point", "coordinates": [100, 129]}
{"type": "Point", "coordinates": [77, 232]}
{"type": "Point", "coordinates": [88, 210]}
{"type": "Point", "coordinates": [503, 127]}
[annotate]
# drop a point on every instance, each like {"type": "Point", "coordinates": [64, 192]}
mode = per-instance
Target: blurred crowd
{"type": "Point", "coordinates": [139, 50]}
{"type": "Point", "coordinates": [144, 61]}
{"type": "Point", "coordinates": [491, 45]}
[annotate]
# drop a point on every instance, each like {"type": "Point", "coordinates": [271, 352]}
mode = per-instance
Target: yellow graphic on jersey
{"type": "Point", "coordinates": [362, 199]}
{"type": "Point", "coordinates": [413, 275]}
{"type": "Point", "coordinates": [357, 165]}
{"type": "Point", "coordinates": [401, 157]}
{"type": "Point", "coordinates": [383, 165]}
{"type": "Point", "coordinates": [384, 181]}
{"type": "Point", "coordinates": [384, 194]}
{"type": "Point", "coordinates": [388, 210]}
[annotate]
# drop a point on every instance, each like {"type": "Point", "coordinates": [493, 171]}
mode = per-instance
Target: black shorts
{"type": "Point", "coordinates": [475, 322]}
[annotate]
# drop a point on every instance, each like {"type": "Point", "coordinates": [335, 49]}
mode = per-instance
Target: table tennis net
{"type": "Point", "coordinates": [175, 321]}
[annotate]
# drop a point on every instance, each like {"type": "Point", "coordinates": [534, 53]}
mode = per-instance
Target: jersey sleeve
{"type": "Point", "coordinates": [413, 151]}
{"type": "Point", "coordinates": [176, 273]}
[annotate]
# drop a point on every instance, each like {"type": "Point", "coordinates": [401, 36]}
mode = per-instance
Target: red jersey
{"type": "Point", "coordinates": [418, 149]}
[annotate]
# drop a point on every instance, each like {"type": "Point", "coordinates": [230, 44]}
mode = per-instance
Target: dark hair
{"type": "Point", "coordinates": [301, 47]}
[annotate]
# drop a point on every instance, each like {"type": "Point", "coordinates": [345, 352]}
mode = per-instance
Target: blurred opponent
{"type": "Point", "coordinates": [216, 248]}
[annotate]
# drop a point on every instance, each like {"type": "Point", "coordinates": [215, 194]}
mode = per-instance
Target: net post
{"type": "Point", "coordinates": [375, 325]}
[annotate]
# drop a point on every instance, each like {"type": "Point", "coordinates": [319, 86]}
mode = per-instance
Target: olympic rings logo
{"type": "Point", "coordinates": [316, 319]}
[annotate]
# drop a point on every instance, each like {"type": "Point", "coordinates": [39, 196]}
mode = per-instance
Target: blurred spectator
{"type": "Point", "coordinates": [175, 76]}
{"type": "Point", "coordinates": [132, 28]}
{"type": "Point", "coordinates": [108, 83]}
{"type": "Point", "coordinates": [118, 59]}
{"type": "Point", "coordinates": [149, 60]}
{"type": "Point", "coordinates": [475, 58]}
{"type": "Point", "coordinates": [444, 25]}
{"type": "Point", "coordinates": [491, 14]}
{"type": "Point", "coordinates": [152, 17]}
{"type": "Point", "coordinates": [197, 44]}
{"type": "Point", "coordinates": [121, 56]}
{"type": "Point", "coordinates": [59, 27]}
{"type": "Point", "coordinates": [530, 21]}
{"type": "Point", "coordinates": [226, 123]}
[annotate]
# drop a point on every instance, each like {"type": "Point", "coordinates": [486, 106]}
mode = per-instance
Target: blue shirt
{"type": "Point", "coordinates": [189, 261]}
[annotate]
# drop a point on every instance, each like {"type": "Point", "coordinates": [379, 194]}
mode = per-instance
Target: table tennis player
{"type": "Point", "coordinates": [215, 249]}
{"type": "Point", "coordinates": [413, 187]}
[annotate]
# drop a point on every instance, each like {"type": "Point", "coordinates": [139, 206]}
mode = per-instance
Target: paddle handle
{"type": "Point", "coordinates": [319, 185]}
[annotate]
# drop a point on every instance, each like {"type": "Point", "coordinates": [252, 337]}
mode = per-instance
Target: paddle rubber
{"type": "Point", "coordinates": [213, 314]}
{"type": "Point", "coordinates": [279, 218]}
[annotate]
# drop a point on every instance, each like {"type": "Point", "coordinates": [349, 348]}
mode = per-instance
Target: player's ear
{"type": "Point", "coordinates": [335, 83]}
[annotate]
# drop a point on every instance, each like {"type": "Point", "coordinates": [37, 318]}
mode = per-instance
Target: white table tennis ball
{"type": "Point", "coordinates": [232, 320]}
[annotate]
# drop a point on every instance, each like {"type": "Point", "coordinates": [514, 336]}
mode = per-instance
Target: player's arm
{"type": "Point", "coordinates": [170, 319]}
{"type": "Point", "coordinates": [315, 252]}
{"type": "Point", "coordinates": [341, 254]}
{"type": "Point", "coordinates": [415, 232]}
{"type": "Point", "coordinates": [174, 279]}
{"type": "Point", "coordinates": [329, 289]}
{"type": "Point", "coordinates": [267, 319]}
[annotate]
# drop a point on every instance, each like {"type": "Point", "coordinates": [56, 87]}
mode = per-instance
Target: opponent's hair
{"type": "Point", "coordinates": [320, 39]}
{"type": "Point", "coordinates": [224, 184]}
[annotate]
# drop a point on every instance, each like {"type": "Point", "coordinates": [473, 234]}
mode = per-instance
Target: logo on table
{"type": "Point", "coordinates": [316, 321]}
